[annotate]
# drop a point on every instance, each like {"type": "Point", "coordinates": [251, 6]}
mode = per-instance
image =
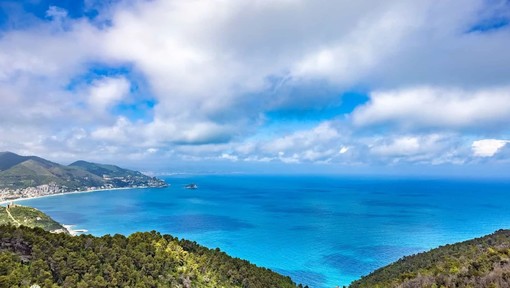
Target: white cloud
{"type": "Point", "coordinates": [424, 148]}
{"type": "Point", "coordinates": [56, 13]}
{"type": "Point", "coordinates": [321, 143]}
{"type": "Point", "coordinates": [434, 107]}
{"type": "Point", "coordinates": [152, 150]}
{"type": "Point", "coordinates": [305, 139]}
{"type": "Point", "coordinates": [214, 68]}
{"type": "Point", "coordinates": [374, 36]}
{"type": "Point", "coordinates": [118, 133]}
{"type": "Point", "coordinates": [229, 157]}
{"type": "Point", "coordinates": [329, 143]}
{"type": "Point", "coordinates": [401, 146]}
{"type": "Point", "coordinates": [205, 59]}
{"type": "Point", "coordinates": [106, 92]}
{"type": "Point", "coordinates": [487, 147]}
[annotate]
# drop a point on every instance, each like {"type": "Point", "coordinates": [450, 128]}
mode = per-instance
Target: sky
{"type": "Point", "coordinates": [307, 86]}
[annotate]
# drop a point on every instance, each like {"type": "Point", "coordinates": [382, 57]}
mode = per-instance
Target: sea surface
{"type": "Point", "coordinates": [321, 231]}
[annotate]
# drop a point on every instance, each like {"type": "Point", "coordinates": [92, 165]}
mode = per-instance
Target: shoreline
{"type": "Point", "coordinates": [69, 227]}
{"type": "Point", "coordinates": [72, 192]}
{"type": "Point", "coordinates": [74, 232]}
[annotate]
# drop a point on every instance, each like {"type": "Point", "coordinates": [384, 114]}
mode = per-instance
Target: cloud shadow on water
{"type": "Point", "coordinates": [305, 277]}
{"type": "Point", "coordinates": [309, 210]}
{"type": "Point", "coordinates": [350, 265]}
{"type": "Point", "coordinates": [202, 223]}
{"type": "Point", "coordinates": [366, 258]}
{"type": "Point", "coordinates": [304, 228]}
{"type": "Point", "coordinates": [391, 204]}
{"type": "Point", "coordinates": [160, 205]}
{"type": "Point", "coordinates": [67, 217]}
{"type": "Point", "coordinates": [122, 210]}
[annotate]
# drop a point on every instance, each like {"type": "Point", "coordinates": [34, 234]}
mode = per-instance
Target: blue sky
{"type": "Point", "coordinates": [302, 86]}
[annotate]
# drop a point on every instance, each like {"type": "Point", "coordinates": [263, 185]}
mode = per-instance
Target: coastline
{"type": "Point", "coordinates": [72, 192]}
{"type": "Point", "coordinates": [74, 232]}
{"type": "Point", "coordinates": [69, 227]}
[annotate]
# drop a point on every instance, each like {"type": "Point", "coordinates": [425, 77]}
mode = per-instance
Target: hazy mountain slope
{"type": "Point", "coordinates": [103, 169]}
{"type": "Point", "coordinates": [116, 176]}
{"type": "Point", "coordinates": [37, 171]}
{"type": "Point", "coordinates": [9, 159]}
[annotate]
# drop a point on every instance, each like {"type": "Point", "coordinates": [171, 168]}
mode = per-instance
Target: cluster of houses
{"type": "Point", "coordinates": [7, 194]}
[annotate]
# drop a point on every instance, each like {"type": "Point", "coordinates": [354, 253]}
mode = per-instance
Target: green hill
{"type": "Point", "coordinates": [481, 262]}
{"type": "Point", "coordinates": [21, 172]}
{"type": "Point", "coordinates": [28, 216]}
{"type": "Point", "coordinates": [9, 159]}
{"type": "Point", "coordinates": [103, 169]}
{"type": "Point", "coordinates": [34, 256]}
{"type": "Point", "coordinates": [116, 176]}
{"type": "Point", "coordinates": [35, 172]}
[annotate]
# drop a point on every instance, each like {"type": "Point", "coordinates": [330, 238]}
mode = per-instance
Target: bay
{"type": "Point", "coordinates": [323, 231]}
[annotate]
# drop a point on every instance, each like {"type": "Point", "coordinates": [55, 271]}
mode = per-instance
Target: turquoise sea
{"type": "Point", "coordinates": [322, 231]}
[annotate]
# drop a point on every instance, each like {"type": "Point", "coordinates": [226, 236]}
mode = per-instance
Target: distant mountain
{"type": "Point", "coordinates": [27, 216]}
{"type": "Point", "coordinates": [104, 169]}
{"type": "Point", "coordinates": [9, 159]}
{"type": "Point", "coordinates": [481, 262]}
{"type": "Point", "coordinates": [116, 176]}
{"type": "Point", "coordinates": [37, 171]}
{"type": "Point", "coordinates": [22, 172]}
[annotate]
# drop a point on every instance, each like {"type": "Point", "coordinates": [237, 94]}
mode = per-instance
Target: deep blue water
{"type": "Point", "coordinates": [322, 231]}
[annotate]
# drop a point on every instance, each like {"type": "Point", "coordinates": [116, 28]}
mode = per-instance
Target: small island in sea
{"type": "Point", "coordinates": [32, 176]}
{"type": "Point", "coordinates": [191, 186]}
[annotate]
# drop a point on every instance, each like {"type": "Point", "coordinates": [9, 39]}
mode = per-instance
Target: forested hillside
{"type": "Point", "coordinates": [21, 215]}
{"type": "Point", "coordinates": [33, 256]}
{"type": "Point", "coordinates": [481, 262]}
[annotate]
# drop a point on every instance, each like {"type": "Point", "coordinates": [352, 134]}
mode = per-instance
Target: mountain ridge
{"type": "Point", "coordinates": [29, 176]}
{"type": "Point", "coordinates": [9, 159]}
{"type": "Point", "coordinates": [102, 169]}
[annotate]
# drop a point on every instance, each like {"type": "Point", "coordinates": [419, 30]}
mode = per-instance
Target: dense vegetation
{"type": "Point", "coordinates": [33, 256]}
{"type": "Point", "coordinates": [28, 216]}
{"type": "Point", "coordinates": [481, 262]}
{"type": "Point", "coordinates": [18, 172]}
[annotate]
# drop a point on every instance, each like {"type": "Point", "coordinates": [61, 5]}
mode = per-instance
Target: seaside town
{"type": "Point", "coordinates": [9, 194]}
{"type": "Point", "coordinates": [31, 176]}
